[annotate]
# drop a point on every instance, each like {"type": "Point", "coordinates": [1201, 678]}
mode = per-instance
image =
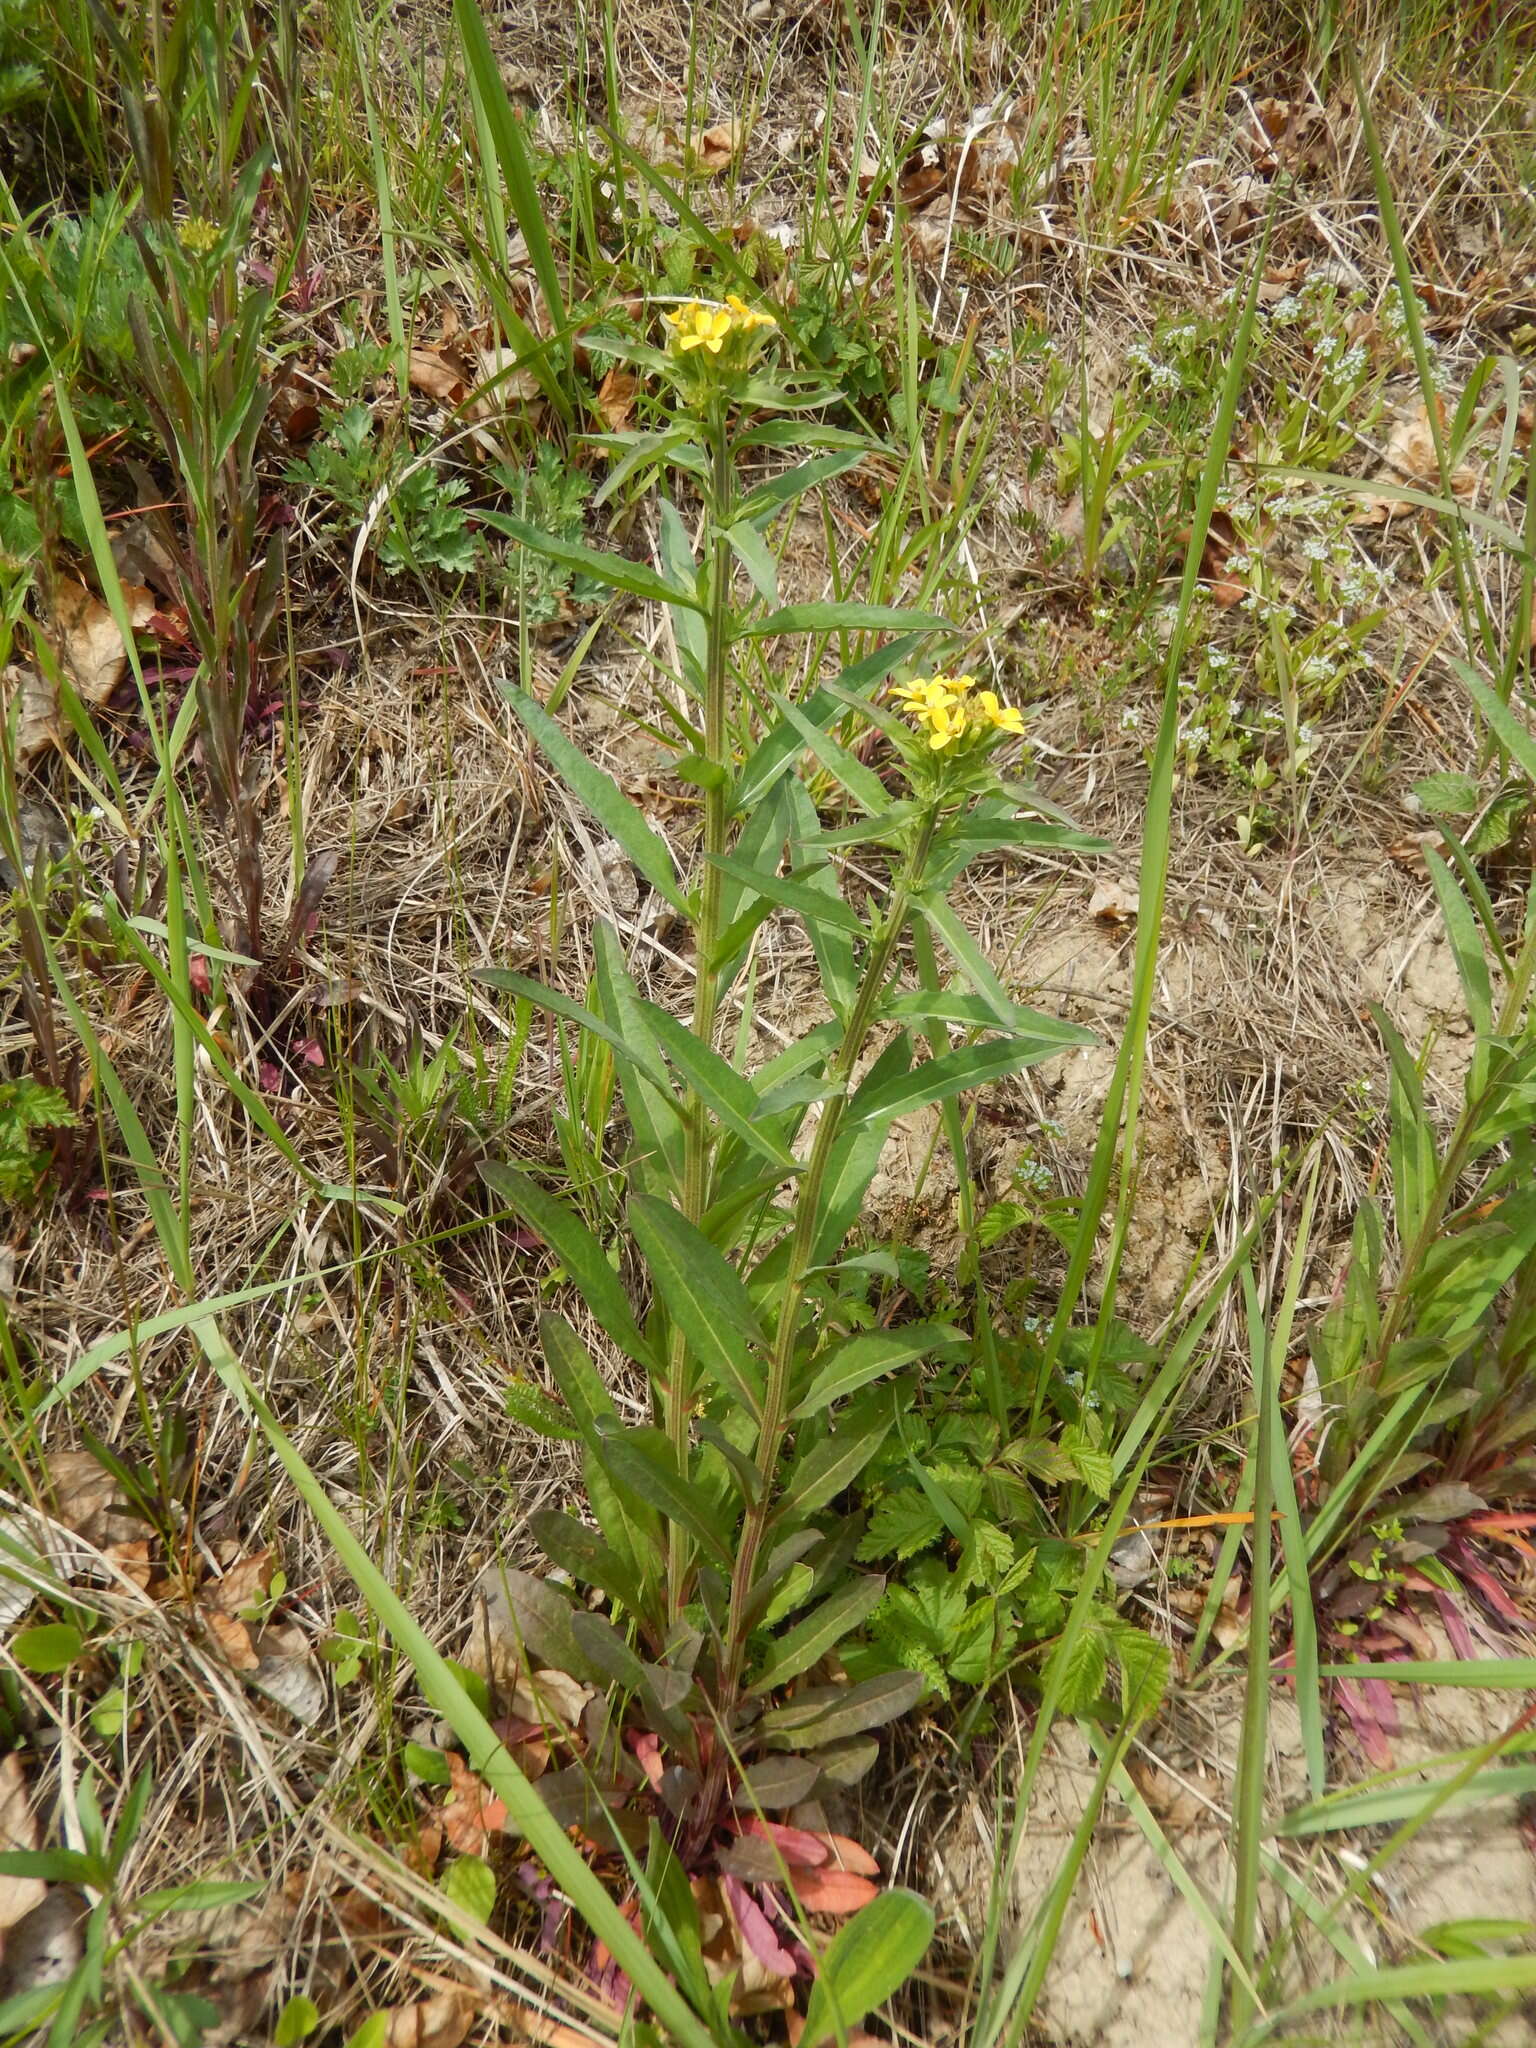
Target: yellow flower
{"type": "Point", "coordinates": [946, 711]}
{"type": "Point", "coordinates": [748, 317]}
{"type": "Point", "coordinates": [700, 327]}
{"type": "Point", "coordinates": [1001, 717]}
{"type": "Point", "coordinates": [198, 236]}
{"type": "Point", "coordinates": [711, 327]}
{"type": "Point", "coordinates": [945, 722]}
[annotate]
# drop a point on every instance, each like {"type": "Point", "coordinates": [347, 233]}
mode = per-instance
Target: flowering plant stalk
{"type": "Point", "coordinates": [726, 1575]}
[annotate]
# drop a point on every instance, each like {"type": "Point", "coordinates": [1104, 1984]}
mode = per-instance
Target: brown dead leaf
{"type": "Point", "coordinates": [1410, 458]}
{"type": "Point", "coordinates": [501, 387]}
{"type": "Point", "coordinates": [287, 1673]}
{"type": "Point", "coordinates": [471, 1811]}
{"type": "Point", "coordinates": [18, 1830]}
{"type": "Point", "coordinates": [538, 2031]}
{"type": "Point", "coordinates": [440, 2021]}
{"type": "Point", "coordinates": [1221, 543]}
{"type": "Point", "coordinates": [437, 375]}
{"type": "Point", "coordinates": [243, 1585]}
{"type": "Point", "coordinates": [132, 1560]}
{"type": "Point", "coordinates": [718, 147]}
{"type": "Point", "coordinates": [88, 636]}
{"type": "Point", "coordinates": [1168, 1796]}
{"type": "Point", "coordinates": [832, 1891]}
{"type": "Point", "coordinates": [924, 174]}
{"type": "Point", "coordinates": [37, 712]}
{"type": "Point", "coordinates": [233, 1639]}
{"type": "Point", "coordinates": [561, 1697]}
{"type": "Point", "coordinates": [616, 400]}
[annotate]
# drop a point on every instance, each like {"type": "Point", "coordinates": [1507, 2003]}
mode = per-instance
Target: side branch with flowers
{"type": "Point", "coordinates": [719, 1537]}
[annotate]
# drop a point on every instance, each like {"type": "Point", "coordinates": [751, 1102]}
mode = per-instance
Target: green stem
{"type": "Point", "coordinates": [770, 1440]}
{"type": "Point", "coordinates": [706, 989]}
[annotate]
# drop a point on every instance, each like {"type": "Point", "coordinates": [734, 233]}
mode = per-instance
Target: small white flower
{"type": "Point", "coordinates": [1130, 718]}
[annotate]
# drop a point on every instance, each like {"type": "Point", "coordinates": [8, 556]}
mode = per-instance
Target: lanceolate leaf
{"type": "Point", "coordinates": [642, 1459]}
{"type": "Point", "coordinates": [731, 1096]}
{"type": "Point", "coordinates": [705, 1297]}
{"type": "Point", "coordinates": [577, 1250]}
{"type": "Point", "coordinates": [839, 1457]}
{"type": "Point", "coordinates": [861, 783]}
{"type": "Point", "coordinates": [617, 571]}
{"type": "Point", "coordinates": [968, 1066]}
{"type": "Point", "coordinates": [793, 893]}
{"type": "Point", "coordinates": [602, 797]}
{"type": "Point", "coordinates": [821, 1631]}
{"type": "Point", "coordinates": [845, 618]}
{"type": "Point", "coordinates": [832, 1713]}
{"type": "Point", "coordinates": [582, 1552]}
{"type": "Point", "coordinates": [560, 1005]}
{"type": "Point", "coordinates": [869, 1356]}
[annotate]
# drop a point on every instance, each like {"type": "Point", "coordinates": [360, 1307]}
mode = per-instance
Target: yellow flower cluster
{"type": "Point", "coordinates": [950, 708]}
{"type": "Point", "coordinates": [198, 236]}
{"type": "Point", "coordinates": [711, 327]}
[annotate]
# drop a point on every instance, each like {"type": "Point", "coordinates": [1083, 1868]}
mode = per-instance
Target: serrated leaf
{"type": "Point", "coordinates": [470, 1883]}
{"type": "Point", "coordinates": [601, 794]}
{"type": "Point", "coordinates": [1094, 1467]}
{"type": "Point", "coordinates": [902, 1524]}
{"type": "Point", "coordinates": [827, 1625]}
{"type": "Point", "coordinates": [1449, 795]}
{"type": "Point", "coordinates": [705, 1296]}
{"type": "Point", "coordinates": [529, 1404]}
{"type": "Point", "coordinates": [1082, 1661]}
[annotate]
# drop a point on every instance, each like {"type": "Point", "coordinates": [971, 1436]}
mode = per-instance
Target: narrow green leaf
{"type": "Point", "coordinates": [834, 617]}
{"type": "Point", "coordinates": [729, 1095]}
{"type": "Point", "coordinates": [861, 783]}
{"type": "Point", "coordinates": [617, 571]}
{"type": "Point", "coordinates": [704, 1295]}
{"type": "Point", "coordinates": [760, 504]}
{"type": "Point", "coordinates": [756, 557]}
{"type": "Point", "coordinates": [831, 1713]}
{"type": "Point", "coordinates": [869, 1356]}
{"type": "Point", "coordinates": [837, 1459]}
{"type": "Point", "coordinates": [966, 954]}
{"type": "Point", "coordinates": [866, 1962]}
{"type": "Point", "coordinates": [793, 892]}
{"type": "Point", "coordinates": [968, 1066]}
{"type": "Point", "coordinates": [820, 1632]}
{"type": "Point", "coordinates": [577, 1250]}
{"type": "Point", "coordinates": [561, 1005]}
{"type": "Point", "coordinates": [582, 1552]}
{"type": "Point", "coordinates": [643, 1459]}
{"type": "Point", "coordinates": [602, 797]}
{"type": "Point", "coordinates": [494, 107]}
